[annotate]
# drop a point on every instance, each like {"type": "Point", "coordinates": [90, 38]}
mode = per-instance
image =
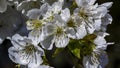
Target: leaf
{"type": "Point", "coordinates": [76, 52]}
{"type": "Point", "coordinates": [57, 51]}
{"type": "Point", "coordinates": [45, 61]}
{"type": "Point", "coordinates": [17, 66]}
{"type": "Point", "coordinates": [74, 47]}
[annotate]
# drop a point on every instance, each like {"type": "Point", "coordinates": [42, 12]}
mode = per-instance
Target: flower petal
{"type": "Point", "coordinates": [71, 33]}
{"type": "Point", "coordinates": [90, 62]}
{"type": "Point", "coordinates": [107, 4]}
{"type": "Point", "coordinates": [61, 41]}
{"type": "Point", "coordinates": [97, 24]}
{"type": "Point", "coordinates": [36, 36]}
{"type": "Point", "coordinates": [3, 6]}
{"type": "Point", "coordinates": [65, 14]}
{"type": "Point", "coordinates": [57, 7]}
{"type": "Point", "coordinates": [44, 8]}
{"type": "Point", "coordinates": [16, 57]}
{"type": "Point", "coordinates": [1, 40]}
{"type": "Point", "coordinates": [81, 32]}
{"type": "Point", "coordinates": [37, 60]}
{"type": "Point", "coordinates": [47, 43]}
{"type": "Point", "coordinates": [17, 41]}
{"type": "Point", "coordinates": [79, 2]}
{"type": "Point", "coordinates": [48, 29]}
{"type": "Point", "coordinates": [34, 13]}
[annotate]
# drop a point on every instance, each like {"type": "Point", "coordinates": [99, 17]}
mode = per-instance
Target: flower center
{"type": "Point", "coordinates": [83, 14]}
{"type": "Point", "coordinates": [71, 24]}
{"type": "Point", "coordinates": [29, 49]}
{"type": "Point", "coordinates": [34, 24]}
{"type": "Point", "coordinates": [59, 30]}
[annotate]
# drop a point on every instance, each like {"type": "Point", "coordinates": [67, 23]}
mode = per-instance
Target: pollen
{"type": "Point", "coordinates": [83, 14]}
{"type": "Point", "coordinates": [71, 24]}
{"type": "Point", "coordinates": [29, 49]}
{"type": "Point", "coordinates": [34, 24]}
{"type": "Point", "coordinates": [59, 30]}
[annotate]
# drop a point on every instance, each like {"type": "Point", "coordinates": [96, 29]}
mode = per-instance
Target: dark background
{"type": "Point", "coordinates": [113, 51]}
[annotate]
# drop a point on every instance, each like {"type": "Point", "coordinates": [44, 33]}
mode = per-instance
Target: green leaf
{"type": "Point", "coordinates": [17, 66]}
{"type": "Point", "coordinates": [74, 47]}
{"type": "Point", "coordinates": [76, 52]}
{"type": "Point", "coordinates": [45, 61]}
{"type": "Point", "coordinates": [57, 51]}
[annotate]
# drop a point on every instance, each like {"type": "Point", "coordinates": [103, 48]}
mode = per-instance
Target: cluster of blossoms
{"type": "Point", "coordinates": [81, 27]}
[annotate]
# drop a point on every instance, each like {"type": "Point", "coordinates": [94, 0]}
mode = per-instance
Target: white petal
{"type": "Point", "coordinates": [90, 62]}
{"type": "Point", "coordinates": [16, 57]}
{"type": "Point", "coordinates": [44, 8]}
{"type": "Point", "coordinates": [102, 11]}
{"type": "Point", "coordinates": [22, 5]}
{"type": "Point", "coordinates": [36, 36]}
{"type": "Point", "coordinates": [48, 29]}
{"type": "Point", "coordinates": [101, 42]}
{"type": "Point", "coordinates": [81, 32]}
{"type": "Point", "coordinates": [3, 6]}
{"type": "Point", "coordinates": [108, 4]}
{"type": "Point", "coordinates": [79, 2]}
{"type": "Point", "coordinates": [59, 21]}
{"type": "Point", "coordinates": [34, 13]}
{"type": "Point", "coordinates": [65, 14]}
{"type": "Point", "coordinates": [47, 43]}
{"type": "Point", "coordinates": [57, 7]}
{"type": "Point", "coordinates": [1, 40]}
{"type": "Point", "coordinates": [90, 28]}
{"type": "Point", "coordinates": [61, 41]}
{"type": "Point", "coordinates": [71, 33]}
{"type": "Point", "coordinates": [37, 60]}
{"type": "Point", "coordinates": [97, 24]}
{"type": "Point", "coordinates": [91, 2]}
{"type": "Point", "coordinates": [107, 19]}
{"type": "Point", "coordinates": [40, 51]}
{"type": "Point", "coordinates": [17, 41]}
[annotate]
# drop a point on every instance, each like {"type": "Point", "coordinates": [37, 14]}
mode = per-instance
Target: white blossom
{"type": "Point", "coordinates": [56, 32]}
{"type": "Point", "coordinates": [91, 14]}
{"type": "Point", "coordinates": [25, 52]}
{"type": "Point", "coordinates": [52, 10]}
{"type": "Point", "coordinates": [36, 27]}
{"type": "Point", "coordinates": [37, 13]}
